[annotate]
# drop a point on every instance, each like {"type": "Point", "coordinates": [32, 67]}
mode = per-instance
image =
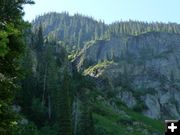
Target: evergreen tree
{"type": "Point", "coordinates": [40, 40]}
{"type": "Point", "coordinates": [11, 48]}
{"type": "Point", "coordinates": [64, 105]}
{"type": "Point", "coordinates": [86, 126]}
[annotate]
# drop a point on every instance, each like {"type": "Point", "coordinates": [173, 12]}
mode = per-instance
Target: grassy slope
{"type": "Point", "coordinates": [126, 122]}
{"type": "Point", "coordinates": [109, 122]}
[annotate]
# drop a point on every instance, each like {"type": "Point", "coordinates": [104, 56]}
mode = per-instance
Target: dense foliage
{"type": "Point", "coordinates": [11, 48]}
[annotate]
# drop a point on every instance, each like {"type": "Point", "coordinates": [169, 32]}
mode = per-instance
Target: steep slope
{"type": "Point", "coordinates": [123, 121]}
{"type": "Point", "coordinates": [135, 66]}
{"type": "Point", "coordinates": [73, 30]}
{"type": "Point", "coordinates": [76, 29]}
{"type": "Point", "coordinates": [41, 118]}
{"type": "Point", "coordinates": [143, 69]}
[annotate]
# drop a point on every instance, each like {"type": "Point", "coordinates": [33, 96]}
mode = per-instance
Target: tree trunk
{"type": "Point", "coordinates": [44, 86]}
{"type": "Point", "coordinates": [49, 106]}
{"type": "Point", "coordinates": [76, 115]}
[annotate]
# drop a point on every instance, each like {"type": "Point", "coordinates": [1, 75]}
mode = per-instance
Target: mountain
{"type": "Point", "coordinates": [73, 30]}
{"type": "Point", "coordinates": [143, 68]}
{"type": "Point", "coordinates": [121, 78]}
{"type": "Point", "coordinates": [77, 29]}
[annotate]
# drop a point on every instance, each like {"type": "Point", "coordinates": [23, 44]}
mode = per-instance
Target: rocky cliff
{"type": "Point", "coordinates": [142, 71]}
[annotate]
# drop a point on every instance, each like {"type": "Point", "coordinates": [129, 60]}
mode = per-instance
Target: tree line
{"type": "Point", "coordinates": [77, 29]}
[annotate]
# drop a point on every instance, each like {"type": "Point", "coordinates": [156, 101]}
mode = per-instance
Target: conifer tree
{"type": "Point", "coordinates": [64, 105]}
{"type": "Point", "coordinates": [11, 48]}
{"type": "Point", "coordinates": [86, 126]}
{"type": "Point", "coordinates": [40, 40]}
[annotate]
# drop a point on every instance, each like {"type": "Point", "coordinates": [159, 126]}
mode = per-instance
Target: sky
{"type": "Point", "coordinates": [110, 10]}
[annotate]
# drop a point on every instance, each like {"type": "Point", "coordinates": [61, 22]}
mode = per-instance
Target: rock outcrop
{"type": "Point", "coordinates": [149, 64]}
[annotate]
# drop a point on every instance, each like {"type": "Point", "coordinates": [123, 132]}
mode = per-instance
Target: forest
{"type": "Point", "coordinates": [56, 79]}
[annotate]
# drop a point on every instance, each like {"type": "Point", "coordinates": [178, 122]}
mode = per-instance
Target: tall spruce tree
{"type": "Point", "coordinates": [64, 105]}
{"type": "Point", "coordinates": [86, 126]}
{"type": "Point", "coordinates": [40, 39]}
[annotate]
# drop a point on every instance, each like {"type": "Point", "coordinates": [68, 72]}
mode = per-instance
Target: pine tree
{"type": "Point", "coordinates": [86, 126]}
{"type": "Point", "coordinates": [40, 40]}
{"type": "Point", "coordinates": [64, 105]}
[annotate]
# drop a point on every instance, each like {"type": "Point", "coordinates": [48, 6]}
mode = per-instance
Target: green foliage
{"type": "Point", "coordinates": [7, 115]}
{"type": "Point", "coordinates": [40, 39]}
{"type": "Point", "coordinates": [48, 130]}
{"type": "Point", "coordinates": [38, 111]}
{"type": "Point", "coordinates": [63, 103]}
{"type": "Point", "coordinates": [73, 55]}
{"type": "Point", "coordinates": [85, 122]}
{"type": "Point", "coordinates": [12, 10]}
{"type": "Point", "coordinates": [31, 129]}
{"type": "Point", "coordinates": [3, 43]}
{"type": "Point", "coordinates": [109, 122]}
{"type": "Point", "coordinates": [136, 28]}
{"type": "Point", "coordinates": [93, 69]}
{"type": "Point", "coordinates": [139, 107]}
{"type": "Point", "coordinates": [86, 125]}
{"type": "Point", "coordinates": [11, 48]}
{"type": "Point", "coordinates": [27, 129]}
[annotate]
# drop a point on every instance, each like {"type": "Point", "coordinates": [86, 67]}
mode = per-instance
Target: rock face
{"type": "Point", "coordinates": [153, 104]}
{"type": "Point", "coordinates": [147, 67]}
{"type": "Point", "coordinates": [127, 98]}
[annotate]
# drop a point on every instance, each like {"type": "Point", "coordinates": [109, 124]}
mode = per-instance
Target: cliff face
{"type": "Point", "coordinates": [142, 69]}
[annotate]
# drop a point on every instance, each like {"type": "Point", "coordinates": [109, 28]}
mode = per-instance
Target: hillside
{"type": "Point", "coordinates": [132, 63]}
{"type": "Point", "coordinates": [73, 75]}
{"type": "Point", "coordinates": [142, 69]}
{"type": "Point", "coordinates": [73, 30]}
{"type": "Point", "coordinates": [77, 29]}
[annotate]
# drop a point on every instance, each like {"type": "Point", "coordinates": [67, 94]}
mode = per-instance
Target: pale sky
{"type": "Point", "coordinates": [110, 10]}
